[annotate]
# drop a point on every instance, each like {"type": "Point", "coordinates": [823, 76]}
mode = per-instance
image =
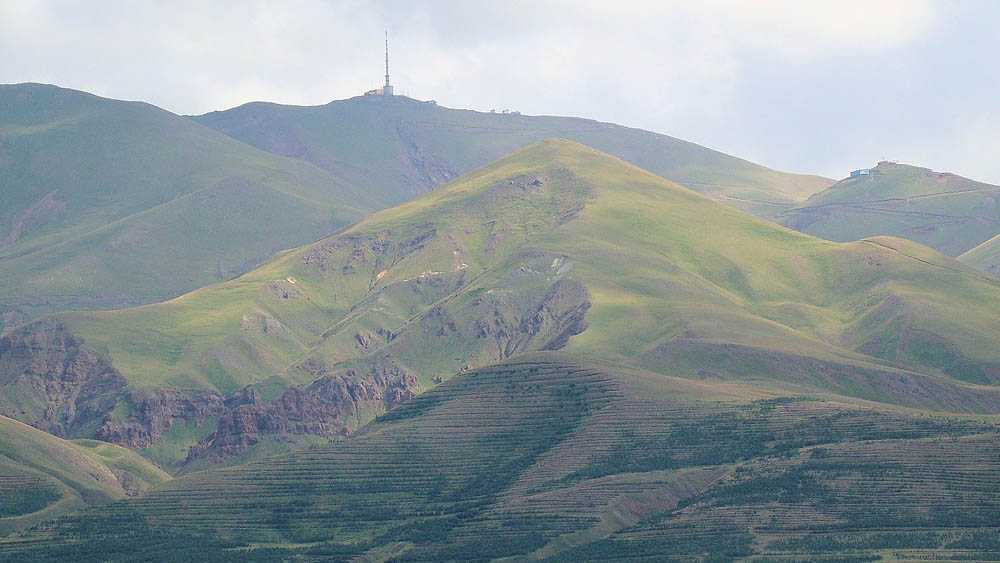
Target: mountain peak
{"type": "Point", "coordinates": [407, 147]}
{"type": "Point", "coordinates": [588, 284]}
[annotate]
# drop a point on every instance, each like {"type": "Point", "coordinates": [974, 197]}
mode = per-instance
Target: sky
{"type": "Point", "coordinates": [806, 86]}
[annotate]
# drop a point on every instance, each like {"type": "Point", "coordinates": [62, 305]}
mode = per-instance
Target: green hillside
{"type": "Point", "coordinates": [108, 204]}
{"type": "Point", "coordinates": [986, 256]}
{"type": "Point", "coordinates": [402, 147]}
{"type": "Point", "coordinates": [43, 477]}
{"type": "Point", "coordinates": [566, 358]}
{"type": "Point", "coordinates": [545, 458]}
{"type": "Point", "coordinates": [949, 213]}
{"type": "Point", "coordinates": [557, 246]}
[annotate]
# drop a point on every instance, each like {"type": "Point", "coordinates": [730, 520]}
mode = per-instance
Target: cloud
{"type": "Point", "coordinates": [194, 56]}
{"type": "Point", "coordinates": [807, 31]}
{"type": "Point", "coordinates": [772, 80]}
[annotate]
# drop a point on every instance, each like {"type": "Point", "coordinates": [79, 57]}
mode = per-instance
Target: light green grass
{"type": "Point", "coordinates": [674, 279]}
{"type": "Point", "coordinates": [986, 257]}
{"type": "Point", "coordinates": [144, 205]}
{"type": "Point", "coordinates": [949, 213]}
{"type": "Point", "coordinates": [140, 205]}
{"type": "Point", "coordinates": [78, 474]}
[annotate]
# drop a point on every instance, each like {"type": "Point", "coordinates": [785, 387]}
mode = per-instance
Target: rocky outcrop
{"type": "Point", "coordinates": [546, 325]}
{"type": "Point", "coordinates": [36, 215]}
{"type": "Point", "coordinates": [10, 319]}
{"type": "Point", "coordinates": [54, 381]}
{"type": "Point", "coordinates": [57, 382]}
{"type": "Point", "coordinates": [154, 412]}
{"type": "Point", "coordinates": [333, 404]}
{"type": "Point", "coordinates": [432, 170]}
{"type": "Point", "coordinates": [560, 314]}
{"type": "Point", "coordinates": [371, 254]}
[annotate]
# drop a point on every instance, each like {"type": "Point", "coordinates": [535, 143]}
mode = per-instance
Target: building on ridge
{"type": "Point", "coordinates": [385, 90]}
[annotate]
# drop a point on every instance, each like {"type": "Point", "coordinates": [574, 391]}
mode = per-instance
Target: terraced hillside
{"type": "Point", "coordinates": [43, 477]}
{"type": "Point", "coordinates": [403, 147]}
{"type": "Point", "coordinates": [949, 213]}
{"type": "Point", "coordinates": [557, 246]}
{"type": "Point", "coordinates": [545, 458]}
{"type": "Point", "coordinates": [107, 204]}
{"type": "Point", "coordinates": [986, 256]}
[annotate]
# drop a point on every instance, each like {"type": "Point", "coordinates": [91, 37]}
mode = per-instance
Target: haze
{"type": "Point", "coordinates": [815, 87]}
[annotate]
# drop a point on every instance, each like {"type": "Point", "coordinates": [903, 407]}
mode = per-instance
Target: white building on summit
{"type": "Point", "coordinates": [387, 89]}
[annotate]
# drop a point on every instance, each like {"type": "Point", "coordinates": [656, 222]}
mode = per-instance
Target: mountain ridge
{"type": "Point", "coordinates": [945, 211]}
{"type": "Point", "coordinates": [985, 257]}
{"type": "Point", "coordinates": [103, 195]}
{"type": "Point", "coordinates": [437, 144]}
{"type": "Point", "coordinates": [557, 356]}
{"type": "Point", "coordinates": [557, 246]}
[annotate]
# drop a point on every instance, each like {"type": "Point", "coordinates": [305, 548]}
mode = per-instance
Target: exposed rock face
{"type": "Point", "coordinates": [432, 170]}
{"type": "Point", "coordinates": [153, 413]}
{"type": "Point", "coordinates": [546, 325]}
{"type": "Point", "coordinates": [36, 215]}
{"type": "Point", "coordinates": [53, 381]}
{"type": "Point", "coordinates": [365, 254]}
{"type": "Point", "coordinates": [10, 319]}
{"type": "Point", "coordinates": [561, 313]}
{"type": "Point", "coordinates": [331, 405]}
{"type": "Point", "coordinates": [74, 391]}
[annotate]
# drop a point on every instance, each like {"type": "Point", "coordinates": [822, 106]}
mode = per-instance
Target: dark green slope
{"type": "Point", "coordinates": [403, 147]}
{"type": "Point", "coordinates": [546, 457]}
{"type": "Point", "coordinates": [43, 477]}
{"type": "Point", "coordinates": [949, 213]}
{"type": "Point", "coordinates": [105, 203]}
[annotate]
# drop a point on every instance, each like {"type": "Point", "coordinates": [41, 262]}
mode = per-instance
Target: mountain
{"type": "Point", "coordinates": [547, 458]}
{"type": "Point", "coordinates": [105, 203]}
{"type": "Point", "coordinates": [401, 148]}
{"type": "Point", "coordinates": [949, 213]}
{"type": "Point", "coordinates": [557, 246]}
{"type": "Point", "coordinates": [986, 256]}
{"type": "Point", "coordinates": [566, 358]}
{"type": "Point", "coordinates": [43, 477]}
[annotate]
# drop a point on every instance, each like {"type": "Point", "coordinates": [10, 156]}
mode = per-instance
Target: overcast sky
{"type": "Point", "coordinates": [798, 85]}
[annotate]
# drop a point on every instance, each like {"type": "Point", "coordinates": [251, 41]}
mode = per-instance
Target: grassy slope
{"type": "Point", "coordinates": [946, 212]}
{"type": "Point", "coordinates": [659, 261]}
{"type": "Point", "coordinates": [108, 203]}
{"type": "Point", "coordinates": [574, 453]}
{"type": "Point", "coordinates": [43, 477]}
{"type": "Point", "coordinates": [545, 456]}
{"type": "Point", "coordinates": [986, 256]}
{"type": "Point", "coordinates": [671, 290]}
{"type": "Point", "coordinates": [404, 147]}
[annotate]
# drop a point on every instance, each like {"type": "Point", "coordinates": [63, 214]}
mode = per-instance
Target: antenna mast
{"type": "Point", "coordinates": [387, 89]}
{"type": "Point", "coordinates": [387, 60]}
